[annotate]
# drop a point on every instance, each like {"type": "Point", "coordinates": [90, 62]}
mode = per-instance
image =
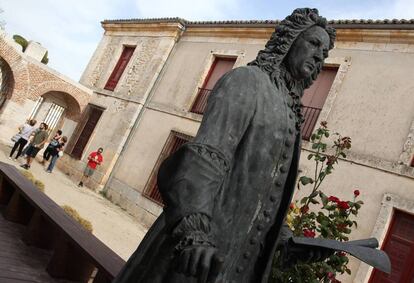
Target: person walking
{"type": "Point", "coordinates": [39, 140]}
{"type": "Point", "coordinates": [56, 152]}
{"type": "Point", "coordinates": [51, 147]}
{"type": "Point", "coordinates": [94, 159]}
{"type": "Point", "coordinates": [25, 131]}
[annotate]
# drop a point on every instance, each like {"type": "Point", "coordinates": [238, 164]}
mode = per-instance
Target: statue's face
{"type": "Point", "coordinates": [307, 53]}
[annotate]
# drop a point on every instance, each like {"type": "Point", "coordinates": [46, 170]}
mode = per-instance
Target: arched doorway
{"type": "Point", "coordinates": [6, 82]}
{"type": "Point", "coordinates": [59, 110]}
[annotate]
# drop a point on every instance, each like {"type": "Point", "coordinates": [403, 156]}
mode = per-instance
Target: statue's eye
{"type": "Point", "coordinates": [314, 42]}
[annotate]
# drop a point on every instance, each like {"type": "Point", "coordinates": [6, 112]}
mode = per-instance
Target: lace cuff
{"type": "Point", "coordinates": [193, 230]}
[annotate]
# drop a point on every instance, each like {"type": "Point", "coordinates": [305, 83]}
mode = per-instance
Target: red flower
{"type": "Point", "coordinates": [331, 159]}
{"type": "Point", "coordinates": [309, 233]}
{"type": "Point", "coordinates": [334, 199]}
{"type": "Point", "coordinates": [356, 193]}
{"type": "Point", "coordinates": [304, 209]}
{"type": "Point", "coordinates": [341, 254]}
{"type": "Point", "coordinates": [341, 227]}
{"type": "Point", "coordinates": [343, 205]}
{"type": "Point", "coordinates": [330, 275]}
{"type": "Point", "coordinates": [292, 206]}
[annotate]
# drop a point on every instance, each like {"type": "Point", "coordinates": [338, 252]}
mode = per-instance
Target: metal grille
{"type": "Point", "coordinates": [53, 117]}
{"type": "Point", "coordinates": [200, 103]}
{"type": "Point", "coordinates": [36, 107]}
{"type": "Point", "coordinates": [310, 115]}
{"type": "Point", "coordinates": [174, 142]}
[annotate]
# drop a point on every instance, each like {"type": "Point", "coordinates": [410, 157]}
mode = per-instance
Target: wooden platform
{"type": "Point", "coordinates": [40, 242]}
{"type": "Point", "coordinates": [19, 262]}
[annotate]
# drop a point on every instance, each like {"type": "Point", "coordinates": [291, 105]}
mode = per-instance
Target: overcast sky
{"type": "Point", "coordinates": [71, 30]}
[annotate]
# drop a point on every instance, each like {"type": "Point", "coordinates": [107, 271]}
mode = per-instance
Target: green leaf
{"type": "Point", "coordinates": [305, 180]}
{"type": "Point", "coordinates": [310, 156]}
{"type": "Point", "coordinates": [304, 200]}
{"type": "Point", "coordinates": [314, 201]}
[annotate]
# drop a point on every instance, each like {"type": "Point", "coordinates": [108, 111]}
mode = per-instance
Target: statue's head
{"type": "Point", "coordinates": [299, 45]}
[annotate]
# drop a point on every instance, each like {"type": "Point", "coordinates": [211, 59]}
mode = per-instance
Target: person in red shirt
{"type": "Point", "coordinates": [94, 159]}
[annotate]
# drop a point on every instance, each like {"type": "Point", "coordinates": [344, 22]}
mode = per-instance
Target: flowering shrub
{"type": "Point", "coordinates": [333, 220]}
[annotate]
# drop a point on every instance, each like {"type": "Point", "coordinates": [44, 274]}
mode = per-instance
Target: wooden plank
{"type": "Point", "coordinates": [99, 253]}
{"type": "Point", "coordinates": [19, 262]}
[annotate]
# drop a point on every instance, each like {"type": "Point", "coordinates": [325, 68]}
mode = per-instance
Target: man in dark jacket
{"type": "Point", "coordinates": [226, 193]}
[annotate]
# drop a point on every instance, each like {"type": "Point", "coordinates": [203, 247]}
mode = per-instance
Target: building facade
{"type": "Point", "coordinates": [149, 81]}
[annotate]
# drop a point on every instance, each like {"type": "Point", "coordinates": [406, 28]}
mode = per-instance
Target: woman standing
{"type": "Point", "coordinates": [56, 152]}
{"type": "Point", "coordinates": [50, 148]}
{"type": "Point", "coordinates": [25, 131]}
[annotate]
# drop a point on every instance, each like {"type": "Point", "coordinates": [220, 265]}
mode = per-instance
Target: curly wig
{"type": "Point", "coordinates": [271, 58]}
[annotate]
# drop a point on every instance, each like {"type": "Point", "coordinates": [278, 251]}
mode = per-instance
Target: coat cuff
{"type": "Point", "coordinates": [193, 230]}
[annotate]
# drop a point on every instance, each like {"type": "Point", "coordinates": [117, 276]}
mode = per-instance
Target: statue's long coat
{"type": "Point", "coordinates": [240, 170]}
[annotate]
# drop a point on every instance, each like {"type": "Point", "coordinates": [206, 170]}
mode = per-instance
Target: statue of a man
{"type": "Point", "coordinates": [226, 193]}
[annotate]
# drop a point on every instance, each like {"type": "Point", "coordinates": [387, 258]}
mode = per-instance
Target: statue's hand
{"type": "Point", "coordinates": [294, 253]}
{"type": "Point", "coordinates": [200, 261]}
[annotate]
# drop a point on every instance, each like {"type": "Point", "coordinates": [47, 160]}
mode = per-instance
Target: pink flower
{"type": "Point", "coordinates": [309, 233]}
{"type": "Point", "coordinates": [356, 193]}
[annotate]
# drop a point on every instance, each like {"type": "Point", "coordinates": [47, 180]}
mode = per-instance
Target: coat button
{"type": "Point", "coordinates": [290, 131]}
{"type": "Point", "coordinates": [283, 169]}
{"type": "Point", "coordinates": [273, 198]}
{"type": "Point", "coordinates": [278, 183]}
{"type": "Point", "coordinates": [288, 143]}
{"type": "Point", "coordinates": [260, 227]}
{"type": "Point", "coordinates": [239, 269]}
{"type": "Point", "coordinates": [253, 241]}
{"type": "Point", "coordinates": [284, 155]}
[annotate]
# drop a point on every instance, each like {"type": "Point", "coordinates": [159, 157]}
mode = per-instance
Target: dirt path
{"type": "Point", "coordinates": [112, 225]}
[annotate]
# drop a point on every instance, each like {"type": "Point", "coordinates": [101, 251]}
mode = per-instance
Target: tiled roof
{"type": "Point", "coordinates": [386, 23]}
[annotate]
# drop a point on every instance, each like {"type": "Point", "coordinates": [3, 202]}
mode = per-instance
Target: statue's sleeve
{"type": "Point", "coordinates": [190, 179]}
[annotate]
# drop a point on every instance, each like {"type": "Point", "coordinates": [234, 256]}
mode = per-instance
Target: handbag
{"type": "Point", "coordinates": [15, 138]}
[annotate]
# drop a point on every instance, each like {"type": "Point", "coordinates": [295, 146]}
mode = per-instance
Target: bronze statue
{"type": "Point", "coordinates": [226, 193]}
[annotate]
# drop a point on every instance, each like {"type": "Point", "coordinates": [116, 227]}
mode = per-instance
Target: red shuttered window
{"type": "Point", "coordinates": [119, 68]}
{"type": "Point", "coordinates": [314, 99]}
{"type": "Point", "coordinates": [399, 245]}
{"type": "Point", "coordinates": [94, 114]}
{"type": "Point", "coordinates": [219, 67]}
{"type": "Point", "coordinates": [174, 141]}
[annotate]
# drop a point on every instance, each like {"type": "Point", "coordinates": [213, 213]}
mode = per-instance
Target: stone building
{"type": "Point", "coordinates": [152, 77]}
{"type": "Point", "coordinates": [150, 80]}
{"type": "Point", "coordinates": [30, 89]}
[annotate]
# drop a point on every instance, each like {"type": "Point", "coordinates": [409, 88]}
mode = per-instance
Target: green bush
{"type": "Point", "coordinates": [21, 41]}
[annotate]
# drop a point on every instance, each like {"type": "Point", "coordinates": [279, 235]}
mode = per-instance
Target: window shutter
{"type": "Point", "coordinates": [399, 245]}
{"type": "Point", "coordinates": [119, 68]}
{"type": "Point", "coordinates": [174, 141]}
{"type": "Point", "coordinates": [94, 115]}
{"type": "Point", "coordinates": [314, 98]}
{"type": "Point", "coordinates": [219, 67]}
